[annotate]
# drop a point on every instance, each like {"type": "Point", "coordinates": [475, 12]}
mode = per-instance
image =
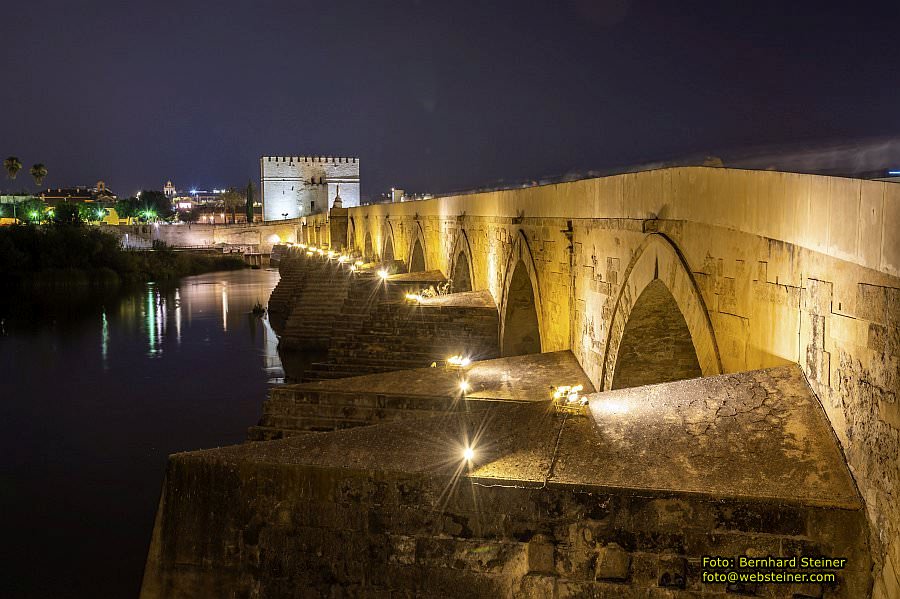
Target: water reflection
{"type": "Point", "coordinates": [106, 385]}
{"type": "Point", "coordinates": [104, 341]}
{"type": "Point", "coordinates": [227, 297]}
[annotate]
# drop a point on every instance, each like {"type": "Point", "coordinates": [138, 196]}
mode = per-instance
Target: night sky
{"type": "Point", "coordinates": [432, 96]}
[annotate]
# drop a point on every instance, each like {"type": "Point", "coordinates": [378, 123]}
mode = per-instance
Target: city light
{"type": "Point", "coordinates": [464, 386]}
{"type": "Point", "coordinates": [358, 263]}
{"type": "Point", "coordinates": [414, 297]}
{"type": "Point", "coordinates": [383, 274]}
{"type": "Point", "coordinates": [468, 454]}
{"type": "Point", "coordinates": [342, 259]}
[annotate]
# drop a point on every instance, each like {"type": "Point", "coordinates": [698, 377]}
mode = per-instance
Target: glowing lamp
{"type": "Point", "coordinates": [464, 386]}
{"type": "Point", "coordinates": [458, 361]}
{"type": "Point", "coordinates": [383, 274]}
{"type": "Point", "coordinates": [358, 263]}
{"type": "Point", "coordinates": [468, 454]}
{"type": "Point", "coordinates": [342, 259]}
{"type": "Point", "coordinates": [567, 399]}
{"type": "Point", "coordinates": [414, 297]}
{"type": "Point", "coordinates": [353, 268]}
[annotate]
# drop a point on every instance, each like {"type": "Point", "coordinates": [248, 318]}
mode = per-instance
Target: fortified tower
{"type": "Point", "coordinates": [302, 185]}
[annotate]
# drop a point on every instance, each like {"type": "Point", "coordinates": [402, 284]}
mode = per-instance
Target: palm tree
{"type": "Point", "coordinates": [38, 171]}
{"type": "Point", "coordinates": [12, 165]}
{"type": "Point", "coordinates": [232, 200]}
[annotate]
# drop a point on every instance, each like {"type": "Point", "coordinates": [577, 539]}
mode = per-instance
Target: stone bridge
{"type": "Point", "coordinates": [686, 271]}
{"type": "Point", "coordinates": [640, 279]}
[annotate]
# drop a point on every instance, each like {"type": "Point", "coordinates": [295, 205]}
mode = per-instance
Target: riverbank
{"type": "Point", "coordinates": [65, 256]}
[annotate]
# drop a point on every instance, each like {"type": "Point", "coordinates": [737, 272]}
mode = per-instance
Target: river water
{"type": "Point", "coordinates": [96, 389]}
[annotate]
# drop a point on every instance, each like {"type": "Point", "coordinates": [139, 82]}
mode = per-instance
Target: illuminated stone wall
{"type": "Point", "coordinates": [765, 267]}
{"type": "Point", "coordinates": [260, 236]}
{"type": "Point", "coordinates": [301, 185]}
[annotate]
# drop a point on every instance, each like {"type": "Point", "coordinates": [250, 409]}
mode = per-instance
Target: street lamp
{"type": "Point", "coordinates": [285, 215]}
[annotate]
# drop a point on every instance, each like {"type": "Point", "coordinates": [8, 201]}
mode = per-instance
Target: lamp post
{"type": "Point", "coordinates": [285, 215]}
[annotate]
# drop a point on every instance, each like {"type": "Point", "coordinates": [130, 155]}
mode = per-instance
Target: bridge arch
{"type": "Point", "coordinates": [461, 273]}
{"type": "Point", "coordinates": [521, 322]}
{"type": "Point", "coordinates": [351, 236]}
{"type": "Point", "coordinates": [417, 261]}
{"type": "Point", "coordinates": [659, 290]}
{"type": "Point", "coordinates": [387, 246]}
{"type": "Point", "coordinates": [368, 248]}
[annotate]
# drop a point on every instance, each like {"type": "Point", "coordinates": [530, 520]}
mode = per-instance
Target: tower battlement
{"type": "Point", "coordinates": [302, 185]}
{"type": "Point", "coordinates": [322, 159]}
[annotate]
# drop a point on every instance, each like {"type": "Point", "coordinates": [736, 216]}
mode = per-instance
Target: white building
{"type": "Point", "coordinates": [294, 186]}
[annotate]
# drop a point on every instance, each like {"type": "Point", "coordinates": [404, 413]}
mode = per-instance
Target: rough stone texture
{"type": "Point", "coordinates": [316, 304]}
{"type": "Point", "coordinates": [656, 345]}
{"type": "Point", "coordinates": [405, 394]}
{"type": "Point", "coordinates": [613, 563]}
{"type": "Point", "coordinates": [392, 510]}
{"type": "Point", "coordinates": [766, 268]}
{"type": "Point", "coordinates": [393, 334]}
{"type": "Point", "coordinates": [714, 435]}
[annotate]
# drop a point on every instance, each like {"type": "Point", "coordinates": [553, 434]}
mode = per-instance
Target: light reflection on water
{"type": "Point", "coordinates": [228, 295]}
{"type": "Point", "coordinates": [96, 390]}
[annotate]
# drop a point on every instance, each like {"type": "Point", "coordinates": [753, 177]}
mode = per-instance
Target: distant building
{"type": "Point", "coordinates": [63, 195]}
{"type": "Point", "coordinates": [294, 186]}
{"type": "Point", "coordinates": [169, 190]}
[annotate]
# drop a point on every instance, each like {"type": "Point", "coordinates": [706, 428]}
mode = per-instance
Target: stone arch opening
{"type": "Point", "coordinates": [417, 258]}
{"type": "Point", "coordinates": [462, 273]}
{"type": "Point", "coordinates": [368, 249]}
{"type": "Point", "coordinates": [461, 277]}
{"type": "Point", "coordinates": [521, 330]}
{"type": "Point", "coordinates": [656, 346]}
{"type": "Point", "coordinates": [351, 236]}
{"type": "Point", "coordinates": [657, 262]}
{"type": "Point", "coordinates": [388, 253]}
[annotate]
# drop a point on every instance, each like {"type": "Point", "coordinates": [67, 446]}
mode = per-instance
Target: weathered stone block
{"type": "Point", "coordinates": [539, 554]}
{"type": "Point", "coordinates": [672, 571]}
{"type": "Point", "coordinates": [613, 563]}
